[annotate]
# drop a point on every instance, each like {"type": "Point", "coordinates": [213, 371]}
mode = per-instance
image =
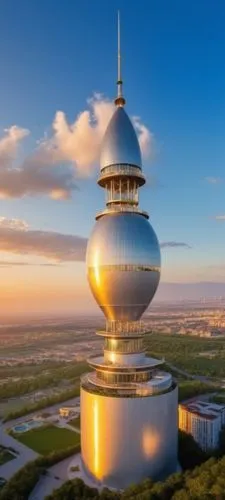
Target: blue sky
{"type": "Point", "coordinates": [56, 54]}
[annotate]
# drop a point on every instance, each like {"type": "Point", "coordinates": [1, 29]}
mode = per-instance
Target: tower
{"type": "Point", "coordinates": [128, 404]}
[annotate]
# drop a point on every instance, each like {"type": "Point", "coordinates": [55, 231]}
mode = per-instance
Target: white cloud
{"type": "Point", "coordinates": [15, 224]}
{"type": "Point", "coordinates": [9, 144]}
{"type": "Point", "coordinates": [219, 217]}
{"type": "Point", "coordinates": [72, 149]}
{"type": "Point", "coordinates": [145, 137]}
{"type": "Point", "coordinates": [214, 180]}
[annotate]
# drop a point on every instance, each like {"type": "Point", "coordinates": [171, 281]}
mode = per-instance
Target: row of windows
{"type": "Point", "coordinates": [126, 378]}
{"type": "Point", "coordinates": [122, 190]}
{"type": "Point", "coordinates": [122, 168]}
{"type": "Point", "coordinates": [125, 267]}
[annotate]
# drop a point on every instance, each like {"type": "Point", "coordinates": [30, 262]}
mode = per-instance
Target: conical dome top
{"type": "Point", "coordinates": [120, 144]}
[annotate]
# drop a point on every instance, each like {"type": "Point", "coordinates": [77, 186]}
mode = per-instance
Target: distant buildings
{"type": "Point", "coordinates": [204, 421]}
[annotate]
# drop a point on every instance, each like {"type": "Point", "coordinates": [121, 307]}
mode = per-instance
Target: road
{"type": "Point", "coordinates": [56, 476]}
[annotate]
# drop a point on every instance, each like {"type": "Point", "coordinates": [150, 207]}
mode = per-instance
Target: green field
{"type": "Point", "coordinates": [45, 440]}
{"type": "Point", "coordinates": [75, 422]}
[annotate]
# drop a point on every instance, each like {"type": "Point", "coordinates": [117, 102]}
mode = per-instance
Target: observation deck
{"type": "Point", "coordinates": [123, 209]}
{"type": "Point", "coordinates": [161, 382]}
{"type": "Point", "coordinates": [123, 329]}
{"type": "Point", "coordinates": [121, 171]}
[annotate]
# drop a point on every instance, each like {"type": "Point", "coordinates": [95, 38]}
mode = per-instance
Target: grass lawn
{"type": "Point", "coordinates": [5, 456]}
{"type": "Point", "coordinates": [75, 422]}
{"type": "Point", "coordinates": [46, 439]}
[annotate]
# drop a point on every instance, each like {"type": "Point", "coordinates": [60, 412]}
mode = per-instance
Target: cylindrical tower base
{"type": "Point", "coordinates": [126, 439]}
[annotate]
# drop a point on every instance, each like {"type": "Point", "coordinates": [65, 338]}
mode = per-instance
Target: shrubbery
{"type": "Point", "coordinates": [43, 403]}
{"type": "Point", "coordinates": [183, 351]}
{"type": "Point", "coordinates": [204, 482]}
{"type": "Point", "coordinates": [207, 478]}
{"type": "Point", "coordinates": [47, 378]}
{"type": "Point", "coordinates": [190, 388]}
{"type": "Point", "coordinates": [23, 482]}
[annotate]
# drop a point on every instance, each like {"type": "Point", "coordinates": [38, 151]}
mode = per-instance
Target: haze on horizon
{"type": "Point", "coordinates": [56, 98]}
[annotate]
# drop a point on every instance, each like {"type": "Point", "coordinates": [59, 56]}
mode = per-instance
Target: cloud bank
{"type": "Point", "coordinates": [12, 263]}
{"type": "Point", "coordinates": [16, 237]}
{"type": "Point", "coordinates": [174, 244]}
{"type": "Point", "coordinates": [71, 151]}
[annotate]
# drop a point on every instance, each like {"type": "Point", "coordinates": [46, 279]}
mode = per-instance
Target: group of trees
{"type": "Point", "coordinates": [202, 478]}
{"type": "Point", "coordinates": [23, 482]}
{"type": "Point", "coordinates": [70, 371]}
{"type": "Point", "coordinates": [48, 377]}
{"type": "Point", "coordinates": [190, 388]}
{"type": "Point", "coordinates": [43, 403]}
{"type": "Point", "coordinates": [204, 482]}
{"type": "Point", "coordinates": [183, 352]}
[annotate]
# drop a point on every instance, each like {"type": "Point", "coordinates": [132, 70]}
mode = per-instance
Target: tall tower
{"type": "Point", "coordinates": [128, 404]}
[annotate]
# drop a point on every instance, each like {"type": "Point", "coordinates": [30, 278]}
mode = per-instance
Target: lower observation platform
{"type": "Point", "coordinates": [99, 362]}
{"type": "Point", "coordinates": [160, 382]}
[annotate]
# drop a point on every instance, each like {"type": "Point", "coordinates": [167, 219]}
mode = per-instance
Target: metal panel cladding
{"type": "Point", "coordinates": [125, 440]}
{"type": "Point", "coordinates": [123, 265]}
{"type": "Point", "coordinates": [120, 144]}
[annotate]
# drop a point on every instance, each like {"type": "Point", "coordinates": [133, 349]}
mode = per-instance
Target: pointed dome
{"type": "Point", "coordinates": [120, 144]}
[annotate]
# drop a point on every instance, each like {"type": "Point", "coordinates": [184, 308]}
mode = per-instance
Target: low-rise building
{"type": "Point", "coordinates": [204, 421]}
{"type": "Point", "coordinates": [68, 411]}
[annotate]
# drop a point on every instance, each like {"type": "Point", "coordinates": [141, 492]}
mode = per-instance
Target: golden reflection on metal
{"type": "Point", "coordinates": [111, 357]}
{"type": "Point", "coordinates": [150, 442]}
{"type": "Point", "coordinates": [94, 274]}
{"type": "Point", "coordinates": [114, 343]}
{"type": "Point", "coordinates": [96, 438]}
{"type": "Point", "coordinates": [96, 268]}
{"type": "Point", "coordinates": [123, 267]}
{"type": "Point", "coordinates": [122, 346]}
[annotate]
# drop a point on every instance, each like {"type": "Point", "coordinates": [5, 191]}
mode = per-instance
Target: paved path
{"type": "Point", "coordinates": [49, 409]}
{"type": "Point", "coordinates": [25, 454]}
{"type": "Point", "coordinates": [56, 476]}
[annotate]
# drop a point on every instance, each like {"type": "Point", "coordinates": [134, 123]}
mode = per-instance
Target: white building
{"type": "Point", "coordinates": [204, 421]}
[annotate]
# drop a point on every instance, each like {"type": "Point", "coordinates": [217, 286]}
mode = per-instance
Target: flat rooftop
{"type": "Point", "coordinates": [208, 411]}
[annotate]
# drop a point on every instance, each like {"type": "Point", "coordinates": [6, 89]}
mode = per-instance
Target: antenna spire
{"type": "Point", "coordinates": [119, 101]}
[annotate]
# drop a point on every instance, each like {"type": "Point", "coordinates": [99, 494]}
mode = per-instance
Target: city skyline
{"type": "Point", "coordinates": [176, 86]}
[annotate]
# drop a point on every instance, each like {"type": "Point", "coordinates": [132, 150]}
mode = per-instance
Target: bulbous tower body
{"type": "Point", "coordinates": [123, 256]}
{"type": "Point", "coordinates": [128, 404]}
